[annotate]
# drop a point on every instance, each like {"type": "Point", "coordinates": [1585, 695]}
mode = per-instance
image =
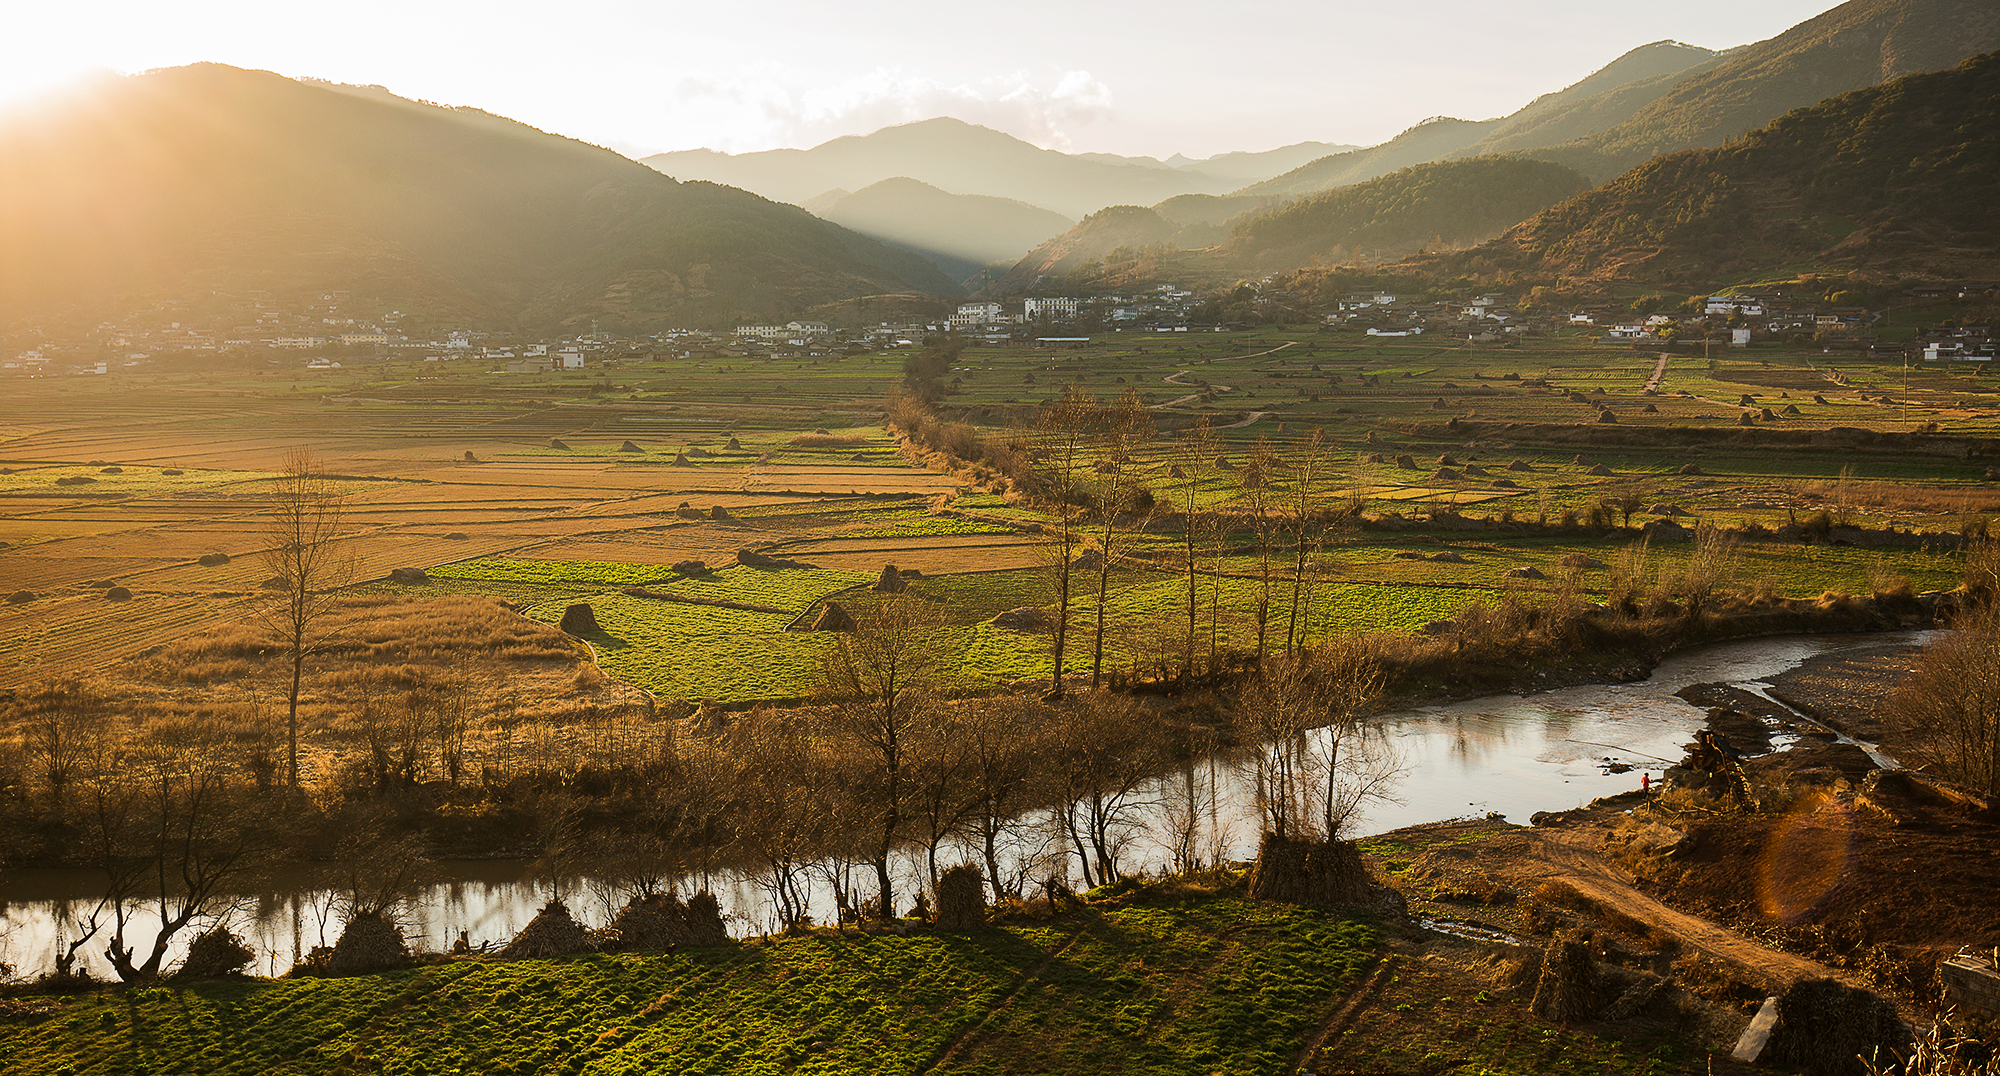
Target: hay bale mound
{"type": "Point", "coordinates": [216, 953]}
{"type": "Point", "coordinates": [1222, 464]}
{"type": "Point", "coordinates": [369, 943]}
{"type": "Point", "coordinates": [410, 576]}
{"type": "Point", "coordinates": [1473, 470]}
{"type": "Point", "coordinates": [1825, 1027]}
{"type": "Point", "coordinates": [1176, 472]}
{"type": "Point", "coordinates": [1606, 416]}
{"type": "Point", "coordinates": [557, 443]}
{"type": "Point", "coordinates": [457, 536]}
{"type": "Point", "coordinates": [834, 618]}
{"type": "Point", "coordinates": [1650, 409]}
{"type": "Point", "coordinates": [1373, 438]}
{"type": "Point", "coordinates": [1747, 400]}
{"type": "Point", "coordinates": [21, 597]}
{"type": "Point", "coordinates": [1372, 457]}
{"type": "Point", "coordinates": [700, 454]}
{"type": "Point", "coordinates": [630, 447]}
{"type": "Point", "coordinates": [688, 511]}
{"type": "Point", "coordinates": [1578, 461]}
{"type": "Point", "coordinates": [170, 472]}
{"type": "Point", "coordinates": [681, 460]}
{"type": "Point", "coordinates": [1310, 872]}
{"type": "Point", "coordinates": [691, 567]}
{"type": "Point", "coordinates": [1746, 419]}
{"type": "Point", "coordinates": [469, 457]}
{"type": "Point", "coordinates": [1519, 465]}
{"type": "Point", "coordinates": [662, 922]}
{"type": "Point", "coordinates": [579, 619]}
{"type": "Point", "coordinates": [553, 932]}
{"type": "Point", "coordinates": [1505, 483]}
{"type": "Point", "coordinates": [1026, 618]}
{"type": "Point", "coordinates": [76, 480]}
{"type": "Point", "coordinates": [1819, 399]}
{"type": "Point", "coordinates": [719, 513]}
{"type": "Point", "coordinates": [1449, 556]}
{"type": "Point", "coordinates": [891, 581]}
{"type": "Point", "coordinates": [961, 899]}
{"type": "Point", "coordinates": [1792, 409]}
{"type": "Point", "coordinates": [118, 594]}
{"type": "Point", "coordinates": [1567, 991]}
{"type": "Point", "coordinates": [212, 560]}
{"type": "Point", "coordinates": [1407, 462]}
{"type": "Point", "coordinates": [1525, 571]}
{"type": "Point", "coordinates": [1600, 471]}
{"type": "Point", "coordinates": [1446, 461]}
{"type": "Point", "coordinates": [1690, 468]}
{"type": "Point", "coordinates": [111, 470]}
{"type": "Point", "coordinates": [1446, 474]}
{"type": "Point", "coordinates": [1580, 560]}
{"type": "Point", "coordinates": [734, 445]}
{"type": "Point", "coordinates": [1767, 415]}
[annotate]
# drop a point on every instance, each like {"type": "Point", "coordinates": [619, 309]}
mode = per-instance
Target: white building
{"type": "Point", "coordinates": [1060, 308]}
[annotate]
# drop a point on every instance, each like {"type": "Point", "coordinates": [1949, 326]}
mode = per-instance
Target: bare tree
{"type": "Point", "coordinates": [882, 674]}
{"type": "Point", "coordinates": [1061, 455]}
{"type": "Point", "coordinates": [64, 719]}
{"type": "Point", "coordinates": [999, 735]}
{"type": "Point", "coordinates": [1307, 475]}
{"type": "Point", "coordinates": [1110, 759]}
{"type": "Point", "coordinates": [1254, 483]}
{"type": "Point", "coordinates": [787, 812]}
{"type": "Point", "coordinates": [307, 565]}
{"type": "Point", "coordinates": [1123, 427]}
{"type": "Point", "coordinates": [1194, 452]}
{"type": "Point", "coordinates": [1316, 766]}
{"type": "Point", "coordinates": [1949, 706]}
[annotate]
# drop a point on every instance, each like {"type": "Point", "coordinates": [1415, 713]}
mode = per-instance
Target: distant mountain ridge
{"type": "Point", "coordinates": [1901, 178]}
{"type": "Point", "coordinates": [193, 179]}
{"type": "Point", "coordinates": [948, 154]}
{"type": "Point", "coordinates": [961, 233]}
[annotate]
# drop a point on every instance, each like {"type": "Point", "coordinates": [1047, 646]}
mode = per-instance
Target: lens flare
{"type": "Point", "coordinates": [1806, 857]}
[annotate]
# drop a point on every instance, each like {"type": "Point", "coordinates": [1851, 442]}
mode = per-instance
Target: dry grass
{"type": "Point", "coordinates": [829, 440]}
{"type": "Point", "coordinates": [1893, 498]}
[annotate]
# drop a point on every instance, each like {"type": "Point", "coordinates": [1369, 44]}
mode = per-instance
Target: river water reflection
{"type": "Point", "coordinates": [1502, 754]}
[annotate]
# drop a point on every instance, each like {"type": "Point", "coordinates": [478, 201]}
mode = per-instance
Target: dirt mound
{"type": "Point", "coordinates": [553, 932]}
{"type": "Point", "coordinates": [1825, 1028]}
{"type": "Point", "coordinates": [21, 597]}
{"type": "Point", "coordinates": [579, 619]}
{"type": "Point", "coordinates": [751, 558]}
{"type": "Point", "coordinates": [1026, 618]}
{"type": "Point", "coordinates": [368, 943]}
{"type": "Point", "coordinates": [216, 953]}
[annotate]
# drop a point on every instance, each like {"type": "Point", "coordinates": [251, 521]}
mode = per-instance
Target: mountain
{"type": "Point", "coordinates": [1442, 203]}
{"type": "Point", "coordinates": [1860, 43]}
{"type": "Point", "coordinates": [960, 233]}
{"type": "Point", "coordinates": [948, 154]}
{"type": "Point", "coordinates": [183, 182]}
{"type": "Point", "coordinates": [1243, 167]}
{"type": "Point", "coordinates": [1610, 94]}
{"type": "Point", "coordinates": [1899, 179]}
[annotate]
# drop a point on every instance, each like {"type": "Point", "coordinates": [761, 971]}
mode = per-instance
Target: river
{"type": "Point", "coordinates": [1506, 754]}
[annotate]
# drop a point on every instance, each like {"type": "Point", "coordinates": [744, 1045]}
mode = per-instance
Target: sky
{"type": "Point", "coordinates": [1112, 76]}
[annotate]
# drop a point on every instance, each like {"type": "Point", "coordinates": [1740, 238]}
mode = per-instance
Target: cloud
{"type": "Point", "coordinates": [763, 112]}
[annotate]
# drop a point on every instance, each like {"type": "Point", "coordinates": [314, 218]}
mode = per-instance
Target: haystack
{"type": "Point", "coordinates": [1600, 471]}
{"type": "Point", "coordinates": [1567, 991]}
{"type": "Point", "coordinates": [1747, 400]}
{"type": "Point", "coordinates": [1374, 438]}
{"type": "Point", "coordinates": [1768, 415]}
{"type": "Point", "coordinates": [1690, 468]}
{"type": "Point", "coordinates": [369, 943]}
{"type": "Point", "coordinates": [1819, 399]}
{"type": "Point", "coordinates": [681, 460]}
{"type": "Point", "coordinates": [212, 560]}
{"type": "Point", "coordinates": [409, 576]}
{"type": "Point", "coordinates": [699, 453]}
{"type": "Point", "coordinates": [1446, 461]}
{"type": "Point", "coordinates": [1372, 457]}
{"type": "Point", "coordinates": [734, 445]}
{"type": "Point", "coordinates": [890, 581]}
{"type": "Point", "coordinates": [1746, 419]}
{"type": "Point", "coordinates": [1650, 409]}
{"type": "Point", "coordinates": [21, 597]}
{"type": "Point", "coordinates": [1825, 1028]}
{"type": "Point", "coordinates": [1525, 572]}
{"type": "Point", "coordinates": [1176, 472]}
{"type": "Point", "coordinates": [630, 447]}
{"type": "Point", "coordinates": [1580, 560]}
{"type": "Point", "coordinates": [1519, 465]}
{"type": "Point", "coordinates": [834, 618]}
{"type": "Point", "coordinates": [1606, 415]}
{"type": "Point", "coordinates": [579, 619]}
{"type": "Point", "coordinates": [1222, 464]}
{"type": "Point", "coordinates": [688, 511]}
{"type": "Point", "coordinates": [1446, 474]}
{"type": "Point", "coordinates": [1310, 872]}
{"type": "Point", "coordinates": [1449, 556]}
{"type": "Point", "coordinates": [1473, 470]}
{"type": "Point", "coordinates": [557, 443]}
{"type": "Point", "coordinates": [118, 594]}
{"type": "Point", "coordinates": [552, 932]}
{"type": "Point", "coordinates": [216, 953]}
{"type": "Point", "coordinates": [961, 899]}
{"type": "Point", "coordinates": [469, 457]}
{"type": "Point", "coordinates": [691, 567]}
{"type": "Point", "coordinates": [1407, 462]}
{"type": "Point", "coordinates": [664, 922]}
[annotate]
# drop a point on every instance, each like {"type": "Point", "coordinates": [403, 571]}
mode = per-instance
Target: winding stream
{"type": "Point", "coordinates": [1501, 754]}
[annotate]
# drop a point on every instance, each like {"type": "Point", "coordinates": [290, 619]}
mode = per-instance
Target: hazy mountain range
{"type": "Point", "coordinates": [189, 182]}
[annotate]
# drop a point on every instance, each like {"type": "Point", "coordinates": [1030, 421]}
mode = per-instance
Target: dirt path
{"type": "Point", "coordinates": [1659, 374]}
{"type": "Point", "coordinates": [1569, 854]}
{"type": "Point", "coordinates": [1255, 417]}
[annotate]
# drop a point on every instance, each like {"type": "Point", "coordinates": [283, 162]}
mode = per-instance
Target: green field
{"type": "Point", "coordinates": [1208, 985]}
